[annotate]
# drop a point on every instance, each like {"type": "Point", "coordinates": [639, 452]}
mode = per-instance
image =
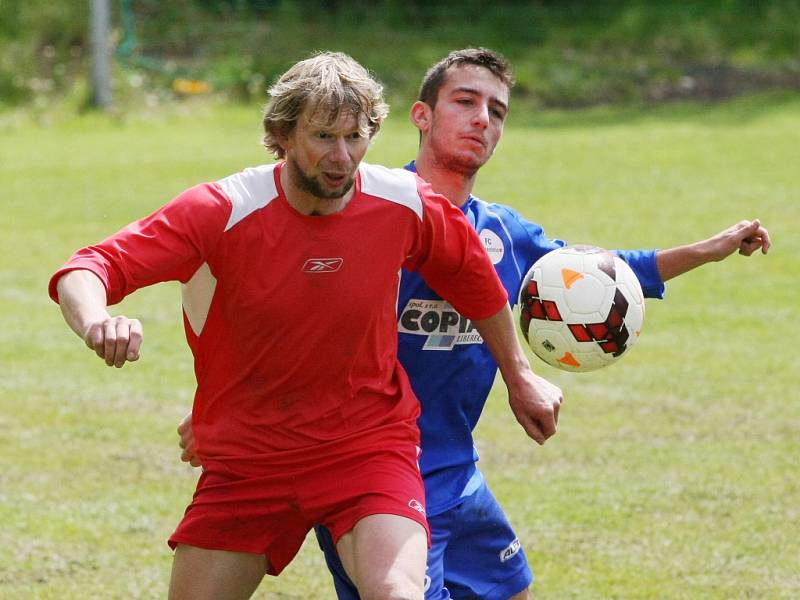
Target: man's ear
{"type": "Point", "coordinates": [421, 115]}
{"type": "Point", "coordinates": [282, 136]}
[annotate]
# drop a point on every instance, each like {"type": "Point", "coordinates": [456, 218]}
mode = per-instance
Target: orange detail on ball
{"type": "Point", "coordinates": [570, 360]}
{"type": "Point", "coordinates": [569, 276]}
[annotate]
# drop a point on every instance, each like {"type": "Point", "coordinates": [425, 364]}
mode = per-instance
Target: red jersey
{"type": "Point", "coordinates": [291, 318]}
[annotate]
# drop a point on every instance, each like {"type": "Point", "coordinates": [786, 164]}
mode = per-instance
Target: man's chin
{"type": "Point", "coordinates": [315, 187]}
{"type": "Point", "coordinates": [326, 193]}
{"type": "Point", "coordinates": [466, 164]}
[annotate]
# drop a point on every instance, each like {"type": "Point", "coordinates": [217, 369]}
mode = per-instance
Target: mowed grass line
{"type": "Point", "coordinates": [674, 474]}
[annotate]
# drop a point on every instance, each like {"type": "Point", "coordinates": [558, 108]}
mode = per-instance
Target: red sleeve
{"type": "Point", "coordinates": [451, 258]}
{"type": "Point", "coordinates": [170, 244]}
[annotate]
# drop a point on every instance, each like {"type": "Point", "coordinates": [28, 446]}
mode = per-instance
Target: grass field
{"type": "Point", "coordinates": [675, 474]}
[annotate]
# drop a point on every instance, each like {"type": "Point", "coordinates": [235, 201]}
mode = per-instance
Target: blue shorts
{"type": "Point", "coordinates": [474, 554]}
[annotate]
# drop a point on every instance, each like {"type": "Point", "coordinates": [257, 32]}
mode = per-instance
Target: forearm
{"type": "Point", "coordinates": [534, 400]}
{"type": "Point", "coordinates": [500, 336]}
{"type": "Point", "coordinates": [677, 261]}
{"type": "Point", "coordinates": [744, 236]}
{"type": "Point", "coordinates": [82, 298]}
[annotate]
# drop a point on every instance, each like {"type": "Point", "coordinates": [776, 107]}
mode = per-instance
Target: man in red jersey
{"type": "Point", "coordinates": [290, 271]}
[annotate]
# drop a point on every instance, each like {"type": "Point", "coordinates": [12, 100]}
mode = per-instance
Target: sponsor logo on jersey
{"type": "Point", "coordinates": [322, 265]}
{"type": "Point", "coordinates": [493, 244]}
{"type": "Point", "coordinates": [416, 505]}
{"type": "Point", "coordinates": [510, 551]}
{"type": "Point", "coordinates": [439, 322]}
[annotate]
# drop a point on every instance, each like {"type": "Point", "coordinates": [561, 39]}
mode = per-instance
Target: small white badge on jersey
{"type": "Point", "coordinates": [493, 244]}
{"type": "Point", "coordinates": [510, 551]}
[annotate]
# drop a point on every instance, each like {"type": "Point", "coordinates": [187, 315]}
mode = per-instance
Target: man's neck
{"type": "Point", "coordinates": [453, 185]}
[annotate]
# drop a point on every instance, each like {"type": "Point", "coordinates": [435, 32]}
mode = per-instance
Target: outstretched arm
{"type": "Point", "coordinates": [82, 298]}
{"type": "Point", "coordinates": [745, 236]}
{"type": "Point", "coordinates": [534, 400]}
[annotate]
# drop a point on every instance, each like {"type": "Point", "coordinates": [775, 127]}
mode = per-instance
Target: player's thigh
{"type": "Point", "coordinates": [434, 572]}
{"type": "Point", "coordinates": [484, 557]}
{"type": "Point", "coordinates": [385, 556]}
{"type": "Point", "coordinates": [345, 588]}
{"type": "Point", "coordinates": [200, 574]}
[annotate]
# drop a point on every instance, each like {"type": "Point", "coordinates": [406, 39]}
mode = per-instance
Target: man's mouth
{"type": "Point", "coordinates": [335, 179]}
{"type": "Point", "coordinates": [476, 140]}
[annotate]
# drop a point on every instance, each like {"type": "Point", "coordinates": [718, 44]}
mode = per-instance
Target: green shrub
{"type": "Point", "coordinates": [568, 53]}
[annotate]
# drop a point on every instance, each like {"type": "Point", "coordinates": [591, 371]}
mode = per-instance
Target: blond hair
{"type": "Point", "coordinates": [328, 84]}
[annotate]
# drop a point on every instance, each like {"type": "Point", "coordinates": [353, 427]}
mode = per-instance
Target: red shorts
{"type": "Point", "coordinates": [271, 514]}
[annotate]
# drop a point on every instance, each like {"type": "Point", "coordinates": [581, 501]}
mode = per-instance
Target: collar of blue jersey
{"type": "Point", "coordinates": [412, 166]}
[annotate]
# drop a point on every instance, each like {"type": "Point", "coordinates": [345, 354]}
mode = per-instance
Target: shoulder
{"type": "Point", "coordinates": [248, 190]}
{"type": "Point", "coordinates": [492, 214]}
{"type": "Point", "coordinates": [204, 203]}
{"type": "Point", "coordinates": [397, 186]}
{"type": "Point", "coordinates": [502, 224]}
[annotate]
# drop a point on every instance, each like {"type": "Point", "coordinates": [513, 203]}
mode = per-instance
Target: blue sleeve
{"type": "Point", "coordinates": [537, 243]}
{"type": "Point", "coordinates": [643, 263]}
{"type": "Point", "coordinates": [529, 243]}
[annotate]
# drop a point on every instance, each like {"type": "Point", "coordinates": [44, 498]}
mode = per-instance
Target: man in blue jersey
{"type": "Point", "coordinates": [460, 114]}
{"type": "Point", "coordinates": [462, 106]}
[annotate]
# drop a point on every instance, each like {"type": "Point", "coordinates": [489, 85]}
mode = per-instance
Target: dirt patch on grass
{"type": "Point", "coordinates": [714, 83]}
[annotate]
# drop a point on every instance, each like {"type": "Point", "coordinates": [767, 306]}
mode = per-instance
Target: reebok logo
{"type": "Point", "coordinates": [416, 505]}
{"type": "Point", "coordinates": [322, 265]}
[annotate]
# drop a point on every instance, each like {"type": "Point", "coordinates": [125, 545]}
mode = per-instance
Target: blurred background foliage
{"type": "Point", "coordinates": [568, 53]}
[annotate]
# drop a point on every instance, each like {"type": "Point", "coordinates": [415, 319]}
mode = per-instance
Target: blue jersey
{"type": "Point", "coordinates": [450, 368]}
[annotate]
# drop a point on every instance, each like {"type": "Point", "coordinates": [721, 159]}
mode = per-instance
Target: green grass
{"type": "Point", "coordinates": [674, 474]}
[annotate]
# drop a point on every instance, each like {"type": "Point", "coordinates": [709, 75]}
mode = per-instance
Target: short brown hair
{"type": "Point", "coordinates": [330, 83]}
{"type": "Point", "coordinates": [483, 57]}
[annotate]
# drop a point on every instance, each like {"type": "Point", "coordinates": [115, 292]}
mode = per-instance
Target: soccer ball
{"type": "Point", "coordinates": [581, 308]}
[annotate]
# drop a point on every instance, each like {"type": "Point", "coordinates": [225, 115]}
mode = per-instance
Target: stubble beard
{"type": "Point", "coordinates": [311, 185]}
{"type": "Point", "coordinates": [466, 166]}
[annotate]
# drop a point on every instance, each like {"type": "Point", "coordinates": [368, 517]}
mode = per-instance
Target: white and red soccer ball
{"type": "Point", "coordinates": [581, 308]}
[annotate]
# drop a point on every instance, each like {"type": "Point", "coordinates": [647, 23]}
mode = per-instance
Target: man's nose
{"type": "Point", "coordinates": [481, 117]}
{"type": "Point", "coordinates": [339, 151]}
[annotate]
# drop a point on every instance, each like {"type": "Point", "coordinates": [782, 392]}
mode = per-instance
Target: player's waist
{"type": "Point", "coordinates": [256, 450]}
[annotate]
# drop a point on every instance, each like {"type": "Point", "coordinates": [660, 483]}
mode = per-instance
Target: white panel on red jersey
{"type": "Point", "coordinates": [395, 185]}
{"type": "Point", "coordinates": [248, 191]}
